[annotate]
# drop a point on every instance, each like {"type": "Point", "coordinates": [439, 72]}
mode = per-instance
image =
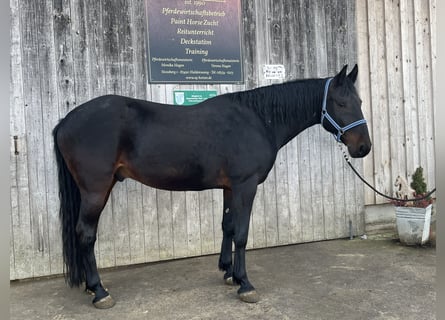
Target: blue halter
{"type": "Point", "coordinates": [325, 114]}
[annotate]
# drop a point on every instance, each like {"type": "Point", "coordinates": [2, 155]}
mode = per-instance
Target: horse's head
{"type": "Point", "coordinates": [342, 114]}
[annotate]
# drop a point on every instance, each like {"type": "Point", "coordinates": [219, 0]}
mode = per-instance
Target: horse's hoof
{"type": "Point", "coordinates": [104, 303]}
{"type": "Point", "coordinates": [249, 296]}
{"type": "Point", "coordinates": [229, 281]}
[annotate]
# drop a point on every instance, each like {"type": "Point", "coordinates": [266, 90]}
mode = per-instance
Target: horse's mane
{"type": "Point", "coordinates": [285, 102]}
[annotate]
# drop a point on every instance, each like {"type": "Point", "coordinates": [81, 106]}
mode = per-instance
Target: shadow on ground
{"type": "Point", "coordinates": [340, 279]}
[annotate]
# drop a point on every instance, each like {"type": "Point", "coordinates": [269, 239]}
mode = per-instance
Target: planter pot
{"type": "Point", "coordinates": [413, 224]}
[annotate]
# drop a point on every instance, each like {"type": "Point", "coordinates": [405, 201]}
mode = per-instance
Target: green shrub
{"type": "Point", "coordinates": [418, 183]}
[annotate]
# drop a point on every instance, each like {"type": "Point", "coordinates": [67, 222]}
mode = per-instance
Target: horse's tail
{"type": "Point", "coordinates": [69, 196]}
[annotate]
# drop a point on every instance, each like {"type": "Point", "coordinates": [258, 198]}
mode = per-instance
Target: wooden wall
{"type": "Point", "coordinates": [397, 58]}
{"type": "Point", "coordinates": [65, 52]}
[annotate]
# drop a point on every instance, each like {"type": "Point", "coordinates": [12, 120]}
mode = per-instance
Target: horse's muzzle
{"type": "Point", "coordinates": [359, 151]}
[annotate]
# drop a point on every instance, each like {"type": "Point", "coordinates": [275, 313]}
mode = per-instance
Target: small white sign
{"type": "Point", "coordinates": [274, 71]}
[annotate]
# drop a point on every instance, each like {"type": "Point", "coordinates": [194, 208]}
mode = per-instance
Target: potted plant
{"type": "Point", "coordinates": [413, 218]}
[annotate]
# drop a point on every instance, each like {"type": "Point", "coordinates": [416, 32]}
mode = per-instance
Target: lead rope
{"type": "Point", "coordinates": [345, 155]}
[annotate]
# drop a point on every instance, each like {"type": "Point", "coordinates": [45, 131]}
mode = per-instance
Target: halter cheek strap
{"type": "Point", "coordinates": [325, 115]}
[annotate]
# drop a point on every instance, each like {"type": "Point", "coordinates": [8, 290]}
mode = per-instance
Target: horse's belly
{"type": "Point", "coordinates": [172, 178]}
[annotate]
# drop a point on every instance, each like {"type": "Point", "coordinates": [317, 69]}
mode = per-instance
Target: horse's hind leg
{"type": "Point", "coordinates": [225, 258]}
{"type": "Point", "coordinates": [90, 209]}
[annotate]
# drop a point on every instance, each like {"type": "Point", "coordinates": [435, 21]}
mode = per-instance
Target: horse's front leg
{"type": "Point", "coordinates": [225, 257]}
{"type": "Point", "coordinates": [242, 200]}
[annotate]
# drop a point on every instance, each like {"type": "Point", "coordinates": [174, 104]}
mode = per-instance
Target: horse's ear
{"type": "Point", "coordinates": [353, 74]}
{"type": "Point", "coordinates": [341, 75]}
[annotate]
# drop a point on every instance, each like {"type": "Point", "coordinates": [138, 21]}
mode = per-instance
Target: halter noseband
{"type": "Point", "coordinates": [325, 114]}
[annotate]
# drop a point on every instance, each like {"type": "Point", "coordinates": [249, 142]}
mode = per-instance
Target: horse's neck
{"type": "Point", "coordinates": [297, 108]}
{"type": "Point", "coordinates": [286, 109]}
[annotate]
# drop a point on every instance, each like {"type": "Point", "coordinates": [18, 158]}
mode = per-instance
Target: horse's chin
{"type": "Point", "coordinates": [359, 151]}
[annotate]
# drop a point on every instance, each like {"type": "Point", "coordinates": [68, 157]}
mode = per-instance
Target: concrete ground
{"type": "Point", "coordinates": [340, 279]}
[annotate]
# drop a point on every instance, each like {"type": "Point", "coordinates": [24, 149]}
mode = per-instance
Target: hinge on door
{"type": "Point", "coordinates": [16, 150]}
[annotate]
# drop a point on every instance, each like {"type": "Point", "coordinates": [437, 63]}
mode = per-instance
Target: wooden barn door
{"type": "Point", "coordinates": [66, 52]}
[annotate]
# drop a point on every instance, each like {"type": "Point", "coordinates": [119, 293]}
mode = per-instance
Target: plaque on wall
{"type": "Point", "coordinates": [194, 41]}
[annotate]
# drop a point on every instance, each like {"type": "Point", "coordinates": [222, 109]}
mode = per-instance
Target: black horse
{"type": "Point", "coordinates": [228, 142]}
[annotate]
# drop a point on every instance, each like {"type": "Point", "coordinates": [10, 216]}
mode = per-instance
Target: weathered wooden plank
{"type": "Point", "coordinates": [138, 36]}
{"type": "Point", "coordinates": [248, 37]}
{"type": "Point", "coordinates": [151, 228]}
{"type": "Point", "coordinates": [433, 44]}
{"type": "Point", "coordinates": [282, 211]}
{"type": "Point", "coordinates": [424, 89]}
{"type": "Point", "coordinates": [292, 53]}
{"type": "Point", "coordinates": [136, 222]}
{"type": "Point", "coordinates": [409, 85]}
{"type": "Point", "coordinates": [343, 185]}
{"type": "Point", "coordinates": [303, 138]}
{"type": "Point", "coordinates": [34, 131]}
{"type": "Point", "coordinates": [358, 222]}
{"type": "Point", "coordinates": [165, 223]}
{"type": "Point", "coordinates": [433, 74]}
{"type": "Point", "coordinates": [334, 220]}
{"type": "Point", "coordinates": [50, 116]}
{"type": "Point", "coordinates": [80, 47]}
{"type": "Point", "coordinates": [179, 214]}
{"type": "Point", "coordinates": [314, 40]}
{"type": "Point", "coordinates": [323, 144]}
{"type": "Point", "coordinates": [20, 206]}
{"type": "Point", "coordinates": [395, 90]}
{"type": "Point", "coordinates": [379, 98]}
{"type": "Point", "coordinates": [193, 224]}
{"type": "Point", "coordinates": [206, 220]}
{"type": "Point", "coordinates": [363, 87]}
{"type": "Point", "coordinates": [95, 48]}
{"type": "Point", "coordinates": [218, 205]}
{"type": "Point", "coordinates": [14, 211]}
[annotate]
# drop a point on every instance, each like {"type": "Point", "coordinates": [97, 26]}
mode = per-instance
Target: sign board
{"type": "Point", "coordinates": [274, 71]}
{"type": "Point", "coordinates": [191, 97]}
{"type": "Point", "coordinates": [194, 41]}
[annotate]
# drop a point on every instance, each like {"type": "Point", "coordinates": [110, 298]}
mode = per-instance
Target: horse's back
{"type": "Point", "coordinates": [165, 146]}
